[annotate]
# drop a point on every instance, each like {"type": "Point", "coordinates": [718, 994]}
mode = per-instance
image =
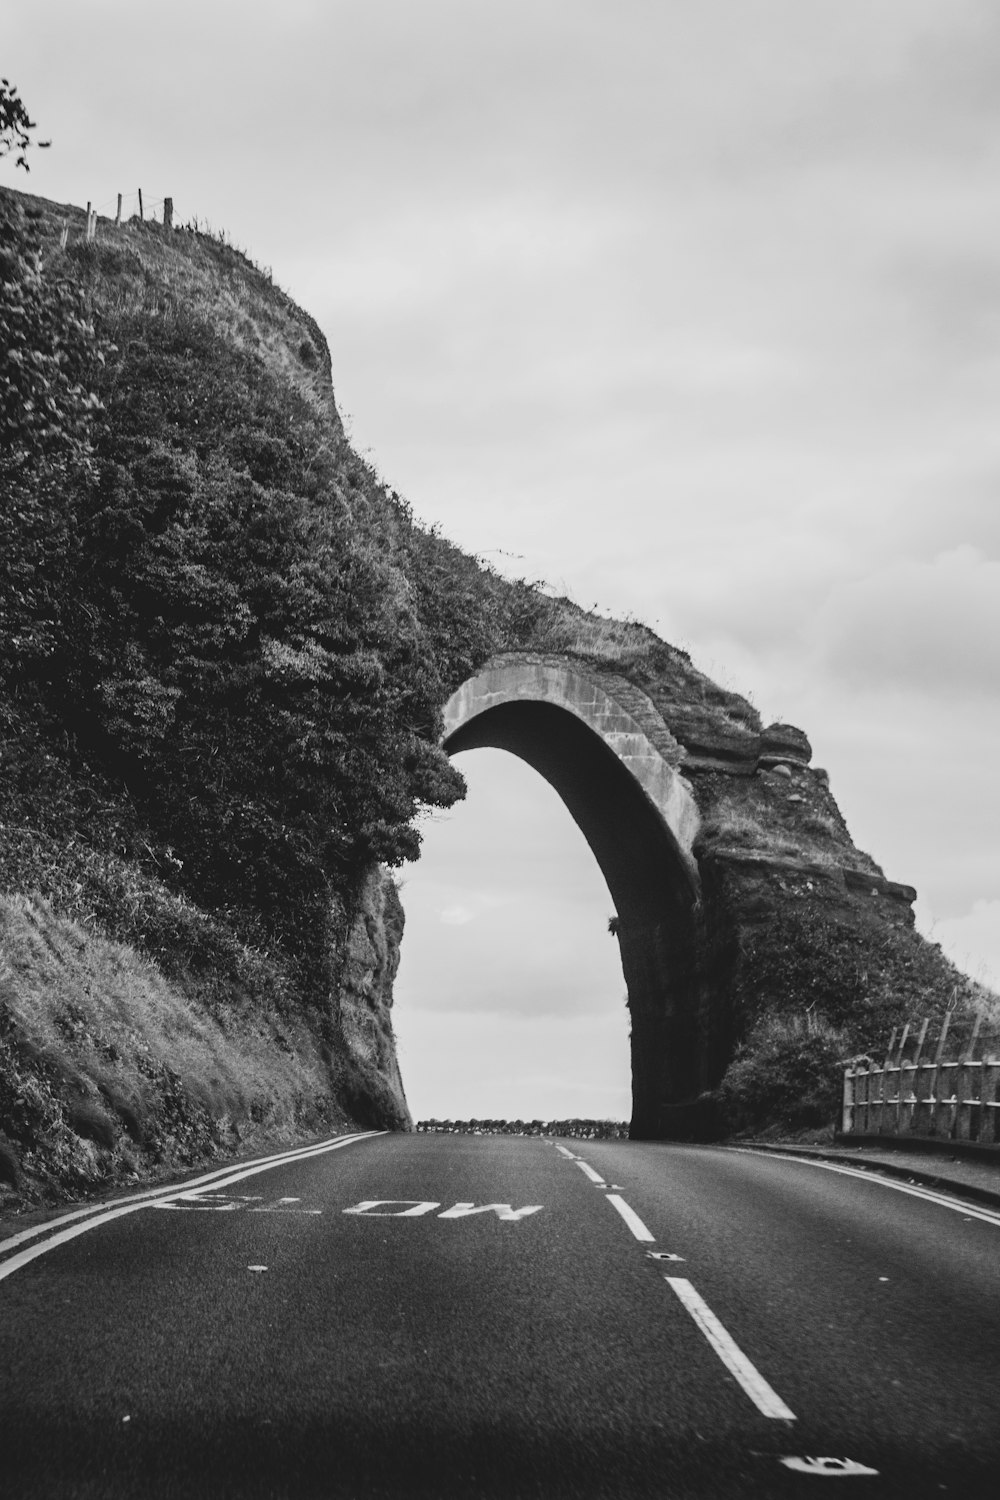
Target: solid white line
{"type": "Point", "coordinates": [631, 1218]}
{"type": "Point", "coordinates": [148, 1194]}
{"type": "Point", "coordinates": [24, 1256]}
{"type": "Point", "coordinates": [913, 1190]}
{"type": "Point", "coordinates": [252, 1171]}
{"type": "Point", "coordinates": [763, 1397]}
{"type": "Point", "coordinates": [588, 1171]}
{"type": "Point", "coordinates": [118, 1206]}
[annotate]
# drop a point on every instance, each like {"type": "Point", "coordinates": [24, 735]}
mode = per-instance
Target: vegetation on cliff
{"type": "Point", "coordinates": [224, 643]}
{"type": "Point", "coordinates": [224, 647]}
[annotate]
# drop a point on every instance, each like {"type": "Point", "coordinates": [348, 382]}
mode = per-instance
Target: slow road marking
{"type": "Point", "coordinates": [391, 1208]}
{"type": "Point", "coordinates": [220, 1178]}
{"type": "Point", "coordinates": [829, 1468]}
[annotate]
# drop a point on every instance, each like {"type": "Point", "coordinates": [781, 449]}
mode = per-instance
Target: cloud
{"type": "Point", "coordinates": [457, 916]}
{"type": "Point", "coordinates": [692, 307]}
{"type": "Point", "coordinates": [971, 940]}
{"type": "Point", "coordinates": [934, 626]}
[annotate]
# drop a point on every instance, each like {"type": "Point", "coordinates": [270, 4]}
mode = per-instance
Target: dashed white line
{"type": "Point", "coordinates": [766, 1400]}
{"type": "Point", "coordinates": [631, 1218]}
{"type": "Point", "coordinates": [564, 1152]}
{"type": "Point", "coordinates": [588, 1171]}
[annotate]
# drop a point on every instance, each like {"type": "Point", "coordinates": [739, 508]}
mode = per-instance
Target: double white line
{"type": "Point", "coordinates": [83, 1219]}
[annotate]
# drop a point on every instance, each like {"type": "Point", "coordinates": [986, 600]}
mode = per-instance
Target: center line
{"type": "Point", "coordinates": [588, 1171]}
{"type": "Point", "coordinates": [763, 1397]}
{"type": "Point", "coordinates": [631, 1218]}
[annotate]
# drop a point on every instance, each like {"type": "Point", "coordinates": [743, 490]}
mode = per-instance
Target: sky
{"type": "Point", "coordinates": [689, 309]}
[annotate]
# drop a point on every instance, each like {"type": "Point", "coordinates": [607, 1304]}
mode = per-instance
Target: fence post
{"type": "Point", "coordinates": [991, 1096]}
{"type": "Point", "coordinates": [118, 215]}
{"type": "Point", "coordinates": [899, 1078]}
{"type": "Point", "coordinates": [912, 1106]}
{"type": "Point", "coordinates": [964, 1092]}
{"type": "Point", "coordinates": [847, 1109]}
{"type": "Point", "coordinates": [64, 237]}
{"type": "Point", "coordinates": [881, 1101]}
{"type": "Point", "coordinates": [141, 214]}
{"type": "Point", "coordinates": [935, 1090]}
{"type": "Point", "coordinates": [168, 213]}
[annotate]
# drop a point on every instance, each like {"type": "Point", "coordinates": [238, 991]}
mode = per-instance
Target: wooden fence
{"type": "Point", "coordinates": [90, 233]}
{"type": "Point", "coordinates": [940, 1087]}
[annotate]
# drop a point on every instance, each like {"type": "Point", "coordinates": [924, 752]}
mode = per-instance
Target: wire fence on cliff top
{"type": "Point", "coordinates": [124, 207]}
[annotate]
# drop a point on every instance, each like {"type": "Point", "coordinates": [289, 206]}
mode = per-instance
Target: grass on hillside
{"type": "Point", "coordinates": [107, 1066]}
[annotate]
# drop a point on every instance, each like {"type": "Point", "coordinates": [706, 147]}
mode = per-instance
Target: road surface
{"type": "Point", "coordinates": [474, 1316]}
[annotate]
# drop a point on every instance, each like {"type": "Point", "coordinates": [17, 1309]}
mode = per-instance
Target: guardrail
{"type": "Point", "coordinates": [943, 1087]}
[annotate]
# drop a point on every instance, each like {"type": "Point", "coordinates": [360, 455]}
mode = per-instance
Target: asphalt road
{"type": "Point", "coordinates": [456, 1316]}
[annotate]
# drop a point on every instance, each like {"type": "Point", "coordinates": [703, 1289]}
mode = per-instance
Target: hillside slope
{"type": "Point", "coordinates": [224, 648]}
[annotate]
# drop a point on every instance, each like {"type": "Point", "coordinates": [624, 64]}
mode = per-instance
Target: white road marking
{"type": "Point", "coordinates": [284, 1160]}
{"type": "Point", "coordinates": [24, 1256]}
{"type": "Point", "coordinates": [119, 1207]}
{"type": "Point", "coordinates": [958, 1205]}
{"type": "Point", "coordinates": [502, 1210]}
{"type": "Point", "coordinates": [662, 1255]}
{"type": "Point", "coordinates": [568, 1154]}
{"type": "Point", "coordinates": [283, 1206]}
{"type": "Point", "coordinates": [368, 1206]}
{"type": "Point", "coordinates": [148, 1195]}
{"type": "Point", "coordinates": [217, 1203]}
{"type": "Point", "coordinates": [766, 1400]}
{"type": "Point", "coordinates": [588, 1171]}
{"type": "Point", "coordinates": [827, 1467]}
{"type": "Point", "coordinates": [256, 1268]}
{"type": "Point", "coordinates": [631, 1218]}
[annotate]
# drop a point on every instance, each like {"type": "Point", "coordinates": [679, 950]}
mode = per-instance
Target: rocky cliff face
{"type": "Point", "coordinates": [745, 914]}
{"type": "Point", "coordinates": [368, 966]}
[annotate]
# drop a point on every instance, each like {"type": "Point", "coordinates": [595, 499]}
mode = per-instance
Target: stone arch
{"type": "Point", "coordinates": [599, 741]}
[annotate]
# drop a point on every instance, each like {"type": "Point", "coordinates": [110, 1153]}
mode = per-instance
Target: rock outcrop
{"type": "Point", "coordinates": [740, 894]}
{"type": "Point", "coordinates": [368, 966]}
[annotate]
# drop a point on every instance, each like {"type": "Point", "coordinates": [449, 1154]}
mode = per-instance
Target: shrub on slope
{"type": "Point", "coordinates": [230, 647]}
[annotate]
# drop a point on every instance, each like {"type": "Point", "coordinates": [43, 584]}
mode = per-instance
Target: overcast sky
{"type": "Point", "coordinates": [690, 308]}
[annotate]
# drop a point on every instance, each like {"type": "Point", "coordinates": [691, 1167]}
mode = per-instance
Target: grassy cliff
{"type": "Point", "coordinates": [224, 646]}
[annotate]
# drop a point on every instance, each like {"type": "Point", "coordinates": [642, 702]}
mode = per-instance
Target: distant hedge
{"type": "Point", "coordinates": [589, 1130]}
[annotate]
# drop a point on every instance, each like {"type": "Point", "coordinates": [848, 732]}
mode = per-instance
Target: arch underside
{"type": "Point", "coordinates": [678, 1043]}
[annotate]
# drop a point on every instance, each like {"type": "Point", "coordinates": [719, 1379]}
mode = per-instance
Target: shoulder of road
{"type": "Point", "coordinates": [969, 1176]}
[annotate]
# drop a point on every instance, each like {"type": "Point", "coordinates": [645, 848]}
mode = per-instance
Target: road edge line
{"type": "Point", "coordinates": [968, 1208]}
{"type": "Point", "coordinates": [146, 1196]}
